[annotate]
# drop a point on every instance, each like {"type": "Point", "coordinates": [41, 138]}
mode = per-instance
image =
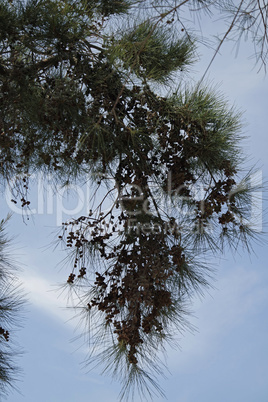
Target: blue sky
{"type": "Point", "coordinates": [226, 359]}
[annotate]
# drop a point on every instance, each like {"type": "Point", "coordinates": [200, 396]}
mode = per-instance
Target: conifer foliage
{"type": "Point", "coordinates": [11, 304]}
{"type": "Point", "coordinates": [88, 87]}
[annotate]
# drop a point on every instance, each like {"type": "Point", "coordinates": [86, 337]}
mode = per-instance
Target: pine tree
{"type": "Point", "coordinates": [11, 303]}
{"type": "Point", "coordinates": [84, 91]}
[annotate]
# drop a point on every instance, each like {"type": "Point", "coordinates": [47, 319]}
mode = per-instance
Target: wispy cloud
{"type": "Point", "coordinates": [46, 296]}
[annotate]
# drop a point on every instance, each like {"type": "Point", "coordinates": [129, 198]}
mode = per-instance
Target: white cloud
{"type": "Point", "coordinates": [42, 294]}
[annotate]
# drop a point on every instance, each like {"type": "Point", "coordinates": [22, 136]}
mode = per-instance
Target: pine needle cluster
{"type": "Point", "coordinates": [78, 96]}
{"type": "Point", "coordinates": [12, 301]}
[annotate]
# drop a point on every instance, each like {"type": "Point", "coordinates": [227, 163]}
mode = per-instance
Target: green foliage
{"type": "Point", "coordinates": [108, 7]}
{"type": "Point", "coordinates": [152, 53]}
{"type": "Point", "coordinates": [11, 303]}
{"type": "Point", "coordinates": [77, 97]}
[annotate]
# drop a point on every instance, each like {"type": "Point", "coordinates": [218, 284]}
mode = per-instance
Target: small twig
{"type": "Point", "coordinates": [221, 42]}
